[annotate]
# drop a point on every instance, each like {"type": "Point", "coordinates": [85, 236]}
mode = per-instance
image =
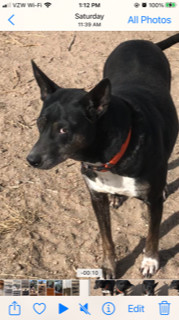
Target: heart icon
{"type": "Point", "coordinates": [39, 307]}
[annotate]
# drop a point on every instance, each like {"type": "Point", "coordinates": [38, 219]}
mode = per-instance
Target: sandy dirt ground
{"type": "Point", "coordinates": [47, 225]}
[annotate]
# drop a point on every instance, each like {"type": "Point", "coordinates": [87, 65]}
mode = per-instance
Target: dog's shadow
{"type": "Point", "coordinates": [173, 186]}
{"type": "Point", "coordinates": [124, 264]}
{"type": "Point", "coordinates": [136, 290]}
{"type": "Point", "coordinates": [174, 164]}
{"type": "Point", "coordinates": [162, 291]}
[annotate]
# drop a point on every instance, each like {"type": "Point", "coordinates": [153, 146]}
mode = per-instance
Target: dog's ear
{"type": "Point", "coordinates": [155, 284]}
{"type": "Point", "coordinates": [46, 85]}
{"type": "Point", "coordinates": [97, 100]}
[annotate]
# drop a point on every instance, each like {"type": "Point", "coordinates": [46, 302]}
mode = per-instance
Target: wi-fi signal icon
{"type": "Point", "coordinates": [47, 4]}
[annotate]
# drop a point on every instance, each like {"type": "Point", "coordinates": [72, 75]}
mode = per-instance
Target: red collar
{"type": "Point", "coordinates": [119, 291]}
{"type": "Point", "coordinates": [108, 165]}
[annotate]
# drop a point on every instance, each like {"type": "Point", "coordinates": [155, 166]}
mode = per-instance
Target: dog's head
{"type": "Point", "coordinates": [99, 284]}
{"type": "Point", "coordinates": [122, 286]}
{"type": "Point", "coordinates": [174, 284]}
{"type": "Point", "coordinates": [148, 287]}
{"type": "Point", "coordinates": [68, 120]}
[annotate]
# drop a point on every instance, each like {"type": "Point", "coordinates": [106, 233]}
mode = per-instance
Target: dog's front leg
{"type": "Point", "coordinates": [150, 263]}
{"type": "Point", "coordinates": [100, 204]}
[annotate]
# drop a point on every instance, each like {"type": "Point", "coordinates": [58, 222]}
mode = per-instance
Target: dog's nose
{"type": "Point", "coordinates": [34, 159]}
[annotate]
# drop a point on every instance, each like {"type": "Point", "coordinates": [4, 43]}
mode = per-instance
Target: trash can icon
{"type": "Point", "coordinates": [164, 308]}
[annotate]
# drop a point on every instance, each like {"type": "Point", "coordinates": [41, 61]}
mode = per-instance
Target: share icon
{"type": "Point", "coordinates": [84, 308]}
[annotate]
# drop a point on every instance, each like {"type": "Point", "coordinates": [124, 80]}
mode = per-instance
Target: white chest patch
{"type": "Point", "coordinates": [109, 182]}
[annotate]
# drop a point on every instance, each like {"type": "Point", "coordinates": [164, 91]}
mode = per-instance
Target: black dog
{"type": "Point", "coordinates": [122, 286]}
{"type": "Point", "coordinates": [123, 131]}
{"type": "Point", "coordinates": [175, 285]}
{"type": "Point", "coordinates": [107, 286]}
{"type": "Point", "coordinates": [148, 287]}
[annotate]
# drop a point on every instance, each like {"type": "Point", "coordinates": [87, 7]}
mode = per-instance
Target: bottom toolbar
{"type": "Point", "coordinates": [98, 308]}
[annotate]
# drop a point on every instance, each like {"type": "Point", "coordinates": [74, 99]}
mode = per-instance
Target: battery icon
{"type": "Point", "coordinates": [170, 4]}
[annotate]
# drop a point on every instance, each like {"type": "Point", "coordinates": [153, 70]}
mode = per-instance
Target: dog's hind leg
{"type": "Point", "coordinates": [100, 205]}
{"type": "Point", "coordinates": [150, 263]}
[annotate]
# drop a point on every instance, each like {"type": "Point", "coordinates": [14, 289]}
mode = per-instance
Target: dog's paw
{"type": "Point", "coordinates": [149, 266]}
{"type": "Point", "coordinates": [109, 268]}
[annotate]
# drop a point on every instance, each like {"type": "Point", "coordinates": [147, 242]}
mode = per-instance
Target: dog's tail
{"type": "Point", "coordinates": [167, 43]}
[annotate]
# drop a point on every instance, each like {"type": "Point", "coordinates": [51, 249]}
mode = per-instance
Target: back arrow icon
{"type": "Point", "coordinates": [11, 21]}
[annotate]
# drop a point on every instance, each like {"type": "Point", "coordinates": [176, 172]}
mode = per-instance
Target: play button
{"type": "Point", "coordinates": [62, 308]}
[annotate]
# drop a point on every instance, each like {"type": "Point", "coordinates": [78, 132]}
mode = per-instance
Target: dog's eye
{"type": "Point", "coordinates": [63, 130]}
